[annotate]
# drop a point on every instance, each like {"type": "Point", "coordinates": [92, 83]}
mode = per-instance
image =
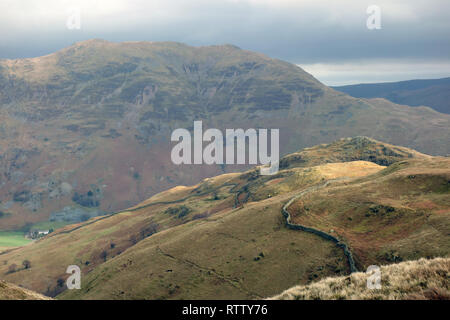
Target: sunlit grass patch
{"type": "Point", "coordinates": [12, 239]}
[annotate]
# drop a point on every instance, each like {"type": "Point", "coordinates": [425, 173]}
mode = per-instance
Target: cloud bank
{"type": "Point", "coordinates": [305, 32]}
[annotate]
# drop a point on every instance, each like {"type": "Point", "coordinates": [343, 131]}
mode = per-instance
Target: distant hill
{"type": "Point", "coordinates": [411, 280]}
{"type": "Point", "coordinates": [434, 93]}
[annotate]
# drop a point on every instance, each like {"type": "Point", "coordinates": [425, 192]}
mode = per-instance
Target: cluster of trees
{"type": "Point", "coordinates": [14, 268]}
{"type": "Point", "coordinates": [22, 196]}
{"type": "Point", "coordinates": [145, 232]}
{"type": "Point", "coordinates": [3, 214]}
{"type": "Point", "coordinates": [86, 200]}
{"type": "Point", "coordinates": [179, 211]}
{"type": "Point", "coordinates": [35, 234]}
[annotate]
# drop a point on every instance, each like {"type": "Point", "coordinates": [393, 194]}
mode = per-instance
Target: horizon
{"type": "Point", "coordinates": [318, 71]}
{"type": "Point", "coordinates": [330, 40]}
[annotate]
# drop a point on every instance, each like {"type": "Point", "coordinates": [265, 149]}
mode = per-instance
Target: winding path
{"type": "Point", "coordinates": [293, 226]}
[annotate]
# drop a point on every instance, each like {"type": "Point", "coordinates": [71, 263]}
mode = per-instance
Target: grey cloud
{"type": "Point", "coordinates": [303, 32]}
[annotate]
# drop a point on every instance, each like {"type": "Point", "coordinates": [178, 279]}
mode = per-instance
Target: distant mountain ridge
{"type": "Point", "coordinates": [434, 93]}
{"type": "Point", "coordinates": [86, 130]}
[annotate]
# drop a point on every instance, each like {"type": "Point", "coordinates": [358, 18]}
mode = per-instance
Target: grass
{"type": "Point", "coordinates": [222, 251]}
{"type": "Point", "coordinates": [214, 258]}
{"type": "Point", "coordinates": [411, 280]}
{"type": "Point", "coordinates": [47, 225]}
{"type": "Point", "coordinates": [404, 211]}
{"type": "Point", "coordinates": [10, 291]}
{"type": "Point", "coordinates": [12, 239]}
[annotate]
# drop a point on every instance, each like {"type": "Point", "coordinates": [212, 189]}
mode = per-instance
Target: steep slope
{"type": "Point", "coordinates": [400, 213]}
{"type": "Point", "coordinates": [411, 280]}
{"type": "Point", "coordinates": [188, 243]}
{"type": "Point", "coordinates": [86, 130]}
{"type": "Point", "coordinates": [223, 238]}
{"type": "Point", "coordinates": [10, 291]}
{"type": "Point", "coordinates": [434, 93]}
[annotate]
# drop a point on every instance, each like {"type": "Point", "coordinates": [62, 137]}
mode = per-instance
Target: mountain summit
{"type": "Point", "coordinates": [86, 130]}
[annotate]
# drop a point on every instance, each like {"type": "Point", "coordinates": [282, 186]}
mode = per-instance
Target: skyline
{"type": "Point", "coordinates": [328, 39]}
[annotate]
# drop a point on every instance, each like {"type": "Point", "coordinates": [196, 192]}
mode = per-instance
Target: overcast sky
{"type": "Point", "coordinates": [328, 38]}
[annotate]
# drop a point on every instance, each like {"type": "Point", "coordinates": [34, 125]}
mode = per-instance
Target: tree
{"type": "Point", "coordinates": [133, 239]}
{"type": "Point", "coordinates": [149, 230]}
{"type": "Point", "coordinates": [26, 264]}
{"type": "Point", "coordinates": [103, 255]}
{"type": "Point", "coordinates": [60, 282]}
{"type": "Point", "coordinates": [12, 268]}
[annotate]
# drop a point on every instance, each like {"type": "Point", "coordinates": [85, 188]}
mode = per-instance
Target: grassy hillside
{"type": "Point", "coordinates": [400, 213]}
{"type": "Point", "coordinates": [227, 238]}
{"type": "Point", "coordinates": [86, 130]}
{"type": "Point", "coordinates": [411, 280]}
{"type": "Point", "coordinates": [434, 93]}
{"type": "Point", "coordinates": [202, 248]}
{"type": "Point", "coordinates": [9, 291]}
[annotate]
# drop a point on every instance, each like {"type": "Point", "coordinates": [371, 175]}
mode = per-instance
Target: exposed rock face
{"type": "Point", "coordinates": [78, 120]}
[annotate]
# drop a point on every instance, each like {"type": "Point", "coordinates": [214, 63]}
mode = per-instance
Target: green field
{"type": "Point", "coordinates": [12, 239]}
{"type": "Point", "coordinates": [47, 225]}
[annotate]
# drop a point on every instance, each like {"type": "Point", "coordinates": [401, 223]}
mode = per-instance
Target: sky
{"type": "Point", "coordinates": [328, 38]}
